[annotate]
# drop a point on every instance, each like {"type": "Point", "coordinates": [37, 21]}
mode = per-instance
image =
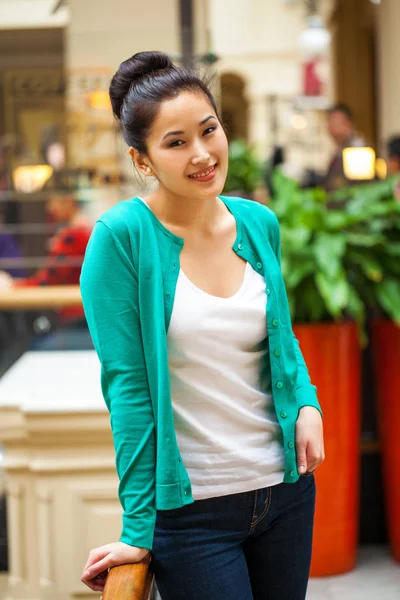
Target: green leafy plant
{"type": "Point", "coordinates": [341, 261]}
{"type": "Point", "coordinates": [245, 171]}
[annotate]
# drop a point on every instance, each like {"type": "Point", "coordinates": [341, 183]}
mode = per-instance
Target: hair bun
{"type": "Point", "coordinates": [131, 71]}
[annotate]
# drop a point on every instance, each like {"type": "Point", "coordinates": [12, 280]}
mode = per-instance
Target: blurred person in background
{"type": "Point", "coordinates": [9, 249]}
{"type": "Point", "coordinates": [216, 425]}
{"type": "Point", "coordinates": [66, 250]}
{"type": "Point", "coordinates": [393, 153]}
{"type": "Point", "coordinates": [341, 128]}
{"type": "Point", "coordinates": [393, 162]}
{"type": "Point", "coordinates": [276, 160]}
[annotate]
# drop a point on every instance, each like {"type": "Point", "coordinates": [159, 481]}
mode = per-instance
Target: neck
{"type": "Point", "coordinates": [200, 214]}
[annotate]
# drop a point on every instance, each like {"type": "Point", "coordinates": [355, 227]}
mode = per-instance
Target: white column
{"type": "Point", "coordinates": [389, 69]}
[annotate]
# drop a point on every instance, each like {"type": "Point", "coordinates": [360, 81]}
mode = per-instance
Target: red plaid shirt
{"type": "Point", "coordinates": [63, 264]}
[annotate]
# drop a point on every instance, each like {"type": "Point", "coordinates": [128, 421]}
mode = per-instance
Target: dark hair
{"type": "Point", "coordinates": [393, 146]}
{"type": "Point", "coordinates": [141, 84]}
{"type": "Point", "coordinates": [342, 108]}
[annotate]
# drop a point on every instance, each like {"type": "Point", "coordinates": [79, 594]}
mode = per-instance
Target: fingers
{"type": "Point", "coordinates": [315, 456]}
{"type": "Point", "coordinates": [96, 584]}
{"type": "Point", "coordinates": [302, 463]}
{"type": "Point", "coordinates": [96, 555]}
{"type": "Point", "coordinates": [95, 573]}
{"type": "Point", "coordinates": [99, 567]}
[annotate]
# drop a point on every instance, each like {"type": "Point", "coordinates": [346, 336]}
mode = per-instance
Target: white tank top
{"type": "Point", "coordinates": [225, 421]}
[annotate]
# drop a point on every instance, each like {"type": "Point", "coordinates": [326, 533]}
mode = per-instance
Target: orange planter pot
{"type": "Point", "coordinates": [386, 353]}
{"type": "Point", "coordinates": [333, 356]}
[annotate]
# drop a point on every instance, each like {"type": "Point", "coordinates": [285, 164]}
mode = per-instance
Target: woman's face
{"type": "Point", "coordinates": [187, 147]}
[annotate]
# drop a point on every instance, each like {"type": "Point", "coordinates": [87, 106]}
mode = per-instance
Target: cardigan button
{"type": "Point", "coordinates": [240, 246]}
{"type": "Point", "coordinates": [275, 323]}
{"type": "Point", "coordinates": [268, 291]}
{"type": "Point", "coordinates": [283, 414]}
{"type": "Point", "coordinates": [277, 352]}
{"type": "Point", "coordinates": [291, 444]}
{"type": "Point", "coordinates": [259, 265]}
{"type": "Point", "coordinates": [292, 473]}
{"type": "Point", "coordinates": [279, 385]}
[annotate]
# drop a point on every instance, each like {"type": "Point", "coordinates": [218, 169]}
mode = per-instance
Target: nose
{"type": "Point", "coordinates": [200, 155]}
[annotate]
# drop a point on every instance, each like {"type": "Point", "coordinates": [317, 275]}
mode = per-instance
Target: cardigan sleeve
{"type": "Point", "coordinates": [306, 393]}
{"type": "Point", "coordinates": [109, 290]}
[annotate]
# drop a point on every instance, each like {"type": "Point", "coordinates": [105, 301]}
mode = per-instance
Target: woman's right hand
{"type": "Point", "coordinates": [111, 555]}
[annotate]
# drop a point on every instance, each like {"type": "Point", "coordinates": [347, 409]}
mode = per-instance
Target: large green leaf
{"type": "Point", "coordinates": [335, 293]}
{"type": "Point", "coordinates": [393, 249]}
{"type": "Point", "coordinates": [295, 238]}
{"type": "Point", "coordinates": [388, 294]}
{"type": "Point", "coordinates": [337, 221]}
{"type": "Point", "coordinates": [365, 239]}
{"type": "Point", "coordinates": [328, 251]}
{"type": "Point", "coordinates": [355, 306]}
{"type": "Point", "coordinates": [368, 263]}
{"type": "Point", "coordinates": [297, 272]}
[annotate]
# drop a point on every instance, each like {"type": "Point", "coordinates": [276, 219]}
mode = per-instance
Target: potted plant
{"type": "Point", "coordinates": [336, 264]}
{"type": "Point", "coordinates": [245, 172]}
{"type": "Point", "coordinates": [383, 300]}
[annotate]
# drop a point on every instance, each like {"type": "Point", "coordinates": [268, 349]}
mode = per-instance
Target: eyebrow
{"type": "Point", "coordinates": [203, 122]}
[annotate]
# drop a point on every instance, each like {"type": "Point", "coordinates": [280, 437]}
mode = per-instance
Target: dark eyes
{"type": "Point", "coordinates": [178, 143]}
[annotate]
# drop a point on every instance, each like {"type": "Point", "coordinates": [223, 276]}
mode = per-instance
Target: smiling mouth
{"type": "Point", "coordinates": [204, 173]}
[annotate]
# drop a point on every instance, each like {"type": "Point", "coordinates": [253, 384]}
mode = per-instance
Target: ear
{"type": "Point", "coordinates": [141, 162]}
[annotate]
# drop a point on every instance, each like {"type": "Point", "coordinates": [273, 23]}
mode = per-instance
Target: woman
{"type": "Point", "coordinates": [208, 392]}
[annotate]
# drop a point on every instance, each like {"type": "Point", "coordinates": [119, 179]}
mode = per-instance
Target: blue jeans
{"type": "Point", "coordinates": [250, 546]}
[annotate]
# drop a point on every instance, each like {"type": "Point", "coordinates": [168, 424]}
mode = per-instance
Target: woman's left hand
{"type": "Point", "coordinates": [309, 440]}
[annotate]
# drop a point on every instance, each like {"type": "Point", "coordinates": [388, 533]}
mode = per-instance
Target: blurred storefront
{"type": "Point", "coordinates": [57, 59]}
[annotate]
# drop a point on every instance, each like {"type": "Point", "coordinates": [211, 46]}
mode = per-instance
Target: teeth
{"type": "Point", "coordinates": [204, 173]}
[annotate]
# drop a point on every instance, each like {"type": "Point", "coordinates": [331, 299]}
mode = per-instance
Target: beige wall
{"type": "Point", "coordinates": [201, 26]}
{"type": "Point", "coordinates": [389, 69]}
{"type": "Point", "coordinates": [26, 14]}
{"type": "Point", "coordinates": [102, 34]}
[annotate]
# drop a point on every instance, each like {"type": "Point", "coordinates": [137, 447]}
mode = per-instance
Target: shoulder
{"type": "Point", "coordinates": [125, 216]}
{"type": "Point", "coordinates": [251, 211]}
{"type": "Point", "coordinates": [119, 230]}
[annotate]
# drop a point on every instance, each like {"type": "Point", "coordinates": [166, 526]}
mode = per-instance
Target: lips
{"type": "Point", "coordinates": [204, 173]}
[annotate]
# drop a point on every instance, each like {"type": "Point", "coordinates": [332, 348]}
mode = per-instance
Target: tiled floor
{"type": "Point", "coordinates": [377, 577]}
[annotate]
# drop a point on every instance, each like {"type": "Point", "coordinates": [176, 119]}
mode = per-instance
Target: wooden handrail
{"type": "Point", "coordinates": [129, 582]}
{"type": "Point", "coordinates": [36, 298]}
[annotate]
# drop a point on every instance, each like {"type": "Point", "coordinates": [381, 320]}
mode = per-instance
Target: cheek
{"type": "Point", "coordinates": [167, 165]}
{"type": "Point", "coordinates": [221, 146]}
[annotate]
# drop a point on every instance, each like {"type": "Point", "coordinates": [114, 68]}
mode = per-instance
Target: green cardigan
{"type": "Point", "coordinates": [128, 284]}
